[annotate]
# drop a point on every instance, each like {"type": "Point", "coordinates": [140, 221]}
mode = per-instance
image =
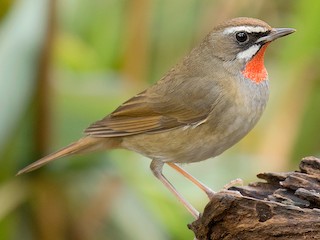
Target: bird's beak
{"type": "Point", "coordinates": [274, 34]}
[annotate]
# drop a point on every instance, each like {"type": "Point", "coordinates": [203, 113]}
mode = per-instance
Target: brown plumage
{"type": "Point", "coordinates": [200, 108]}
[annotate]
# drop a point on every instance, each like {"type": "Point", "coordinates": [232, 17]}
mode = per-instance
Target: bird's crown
{"type": "Point", "coordinates": [244, 41]}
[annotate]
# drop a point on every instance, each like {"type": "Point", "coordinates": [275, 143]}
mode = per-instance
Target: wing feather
{"type": "Point", "coordinates": [183, 102]}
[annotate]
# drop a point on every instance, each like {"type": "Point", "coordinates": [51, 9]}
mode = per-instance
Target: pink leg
{"type": "Point", "coordinates": [203, 187]}
{"type": "Point", "coordinates": [156, 168]}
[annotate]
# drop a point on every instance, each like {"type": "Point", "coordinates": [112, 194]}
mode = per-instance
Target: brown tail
{"type": "Point", "coordinates": [85, 144]}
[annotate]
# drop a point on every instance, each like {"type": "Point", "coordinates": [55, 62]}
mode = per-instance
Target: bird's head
{"type": "Point", "coordinates": [241, 43]}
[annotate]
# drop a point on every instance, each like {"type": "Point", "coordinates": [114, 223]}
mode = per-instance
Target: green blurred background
{"type": "Point", "coordinates": [67, 63]}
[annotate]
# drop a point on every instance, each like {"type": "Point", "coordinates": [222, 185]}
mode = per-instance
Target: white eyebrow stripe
{"type": "Point", "coordinates": [248, 29]}
{"type": "Point", "coordinates": [248, 53]}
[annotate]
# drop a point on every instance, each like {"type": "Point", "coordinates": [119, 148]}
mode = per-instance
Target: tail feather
{"type": "Point", "coordinates": [83, 145]}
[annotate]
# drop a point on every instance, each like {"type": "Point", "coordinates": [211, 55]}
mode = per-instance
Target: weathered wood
{"type": "Point", "coordinates": [286, 206]}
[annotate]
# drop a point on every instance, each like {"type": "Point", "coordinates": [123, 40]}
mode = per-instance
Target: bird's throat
{"type": "Point", "coordinates": [255, 69]}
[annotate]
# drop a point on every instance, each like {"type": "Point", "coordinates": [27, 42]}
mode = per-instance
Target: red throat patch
{"type": "Point", "coordinates": [255, 69]}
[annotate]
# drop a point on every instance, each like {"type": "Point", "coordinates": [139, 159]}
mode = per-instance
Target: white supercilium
{"type": "Point", "coordinates": [248, 29]}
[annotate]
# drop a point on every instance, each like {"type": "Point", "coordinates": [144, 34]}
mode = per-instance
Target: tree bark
{"type": "Point", "coordinates": [286, 206]}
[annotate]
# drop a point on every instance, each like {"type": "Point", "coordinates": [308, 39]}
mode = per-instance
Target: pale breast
{"type": "Point", "coordinates": [230, 120]}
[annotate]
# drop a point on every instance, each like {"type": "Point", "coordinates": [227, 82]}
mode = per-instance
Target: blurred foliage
{"type": "Point", "coordinates": [4, 7]}
{"type": "Point", "coordinates": [55, 79]}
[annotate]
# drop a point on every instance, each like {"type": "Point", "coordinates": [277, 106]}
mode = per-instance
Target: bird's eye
{"type": "Point", "coordinates": [241, 37]}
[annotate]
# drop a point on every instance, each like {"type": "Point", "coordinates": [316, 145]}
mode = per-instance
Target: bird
{"type": "Point", "coordinates": [201, 107]}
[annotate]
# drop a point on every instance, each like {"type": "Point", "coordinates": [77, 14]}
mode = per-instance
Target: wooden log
{"type": "Point", "coordinates": [285, 206]}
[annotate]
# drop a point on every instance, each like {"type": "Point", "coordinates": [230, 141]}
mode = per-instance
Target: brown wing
{"type": "Point", "coordinates": [186, 100]}
{"type": "Point", "coordinates": [140, 115]}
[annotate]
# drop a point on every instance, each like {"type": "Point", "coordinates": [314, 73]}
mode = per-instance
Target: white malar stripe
{"type": "Point", "coordinates": [248, 53]}
{"type": "Point", "coordinates": [248, 29]}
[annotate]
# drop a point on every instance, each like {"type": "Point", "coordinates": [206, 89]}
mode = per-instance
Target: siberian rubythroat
{"type": "Point", "coordinates": [198, 109]}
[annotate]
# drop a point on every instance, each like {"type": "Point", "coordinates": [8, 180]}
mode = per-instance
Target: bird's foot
{"type": "Point", "coordinates": [210, 193]}
{"type": "Point", "coordinates": [237, 181]}
{"type": "Point", "coordinates": [233, 183]}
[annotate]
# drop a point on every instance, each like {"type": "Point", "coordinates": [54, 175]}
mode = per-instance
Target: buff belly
{"type": "Point", "coordinates": [189, 144]}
